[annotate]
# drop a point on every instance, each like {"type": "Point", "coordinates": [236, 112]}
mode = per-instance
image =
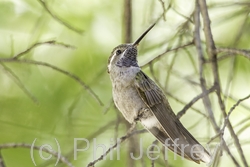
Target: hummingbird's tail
{"type": "Point", "coordinates": [191, 150]}
{"type": "Point", "coordinates": [205, 157]}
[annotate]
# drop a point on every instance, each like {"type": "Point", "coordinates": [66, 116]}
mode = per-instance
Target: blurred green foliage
{"type": "Point", "coordinates": [64, 110]}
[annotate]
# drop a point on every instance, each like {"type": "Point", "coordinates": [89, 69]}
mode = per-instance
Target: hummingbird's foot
{"type": "Point", "coordinates": [142, 114]}
{"type": "Point", "coordinates": [139, 115]}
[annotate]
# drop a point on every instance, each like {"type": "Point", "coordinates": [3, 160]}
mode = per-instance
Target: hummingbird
{"type": "Point", "coordinates": [139, 99]}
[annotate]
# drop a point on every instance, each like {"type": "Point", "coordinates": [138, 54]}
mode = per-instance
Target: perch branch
{"type": "Point", "coordinates": [117, 144]}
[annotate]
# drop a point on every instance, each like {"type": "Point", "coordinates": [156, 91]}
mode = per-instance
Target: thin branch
{"type": "Point", "coordinates": [101, 130]}
{"type": "Point", "coordinates": [168, 50]}
{"type": "Point", "coordinates": [45, 6]}
{"type": "Point", "coordinates": [232, 52]}
{"type": "Point", "coordinates": [207, 30]}
{"type": "Point", "coordinates": [230, 112]}
{"type": "Point", "coordinates": [184, 103]}
{"type": "Point", "coordinates": [195, 99]}
{"type": "Point", "coordinates": [117, 144]}
{"type": "Point", "coordinates": [218, 135]}
{"type": "Point", "coordinates": [19, 83]}
{"type": "Point", "coordinates": [182, 15]}
{"type": "Point", "coordinates": [226, 121]}
{"type": "Point", "coordinates": [93, 135]}
{"type": "Point", "coordinates": [42, 43]}
{"type": "Point", "coordinates": [76, 78]}
{"type": "Point", "coordinates": [206, 100]}
{"type": "Point", "coordinates": [163, 8]}
{"type": "Point", "coordinates": [175, 55]}
{"type": "Point", "coordinates": [197, 39]}
{"type": "Point", "coordinates": [243, 105]}
{"type": "Point", "coordinates": [213, 57]}
{"type": "Point", "coordinates": [44, 149]}
{"type": "Point", "coordinates": [109, 106]}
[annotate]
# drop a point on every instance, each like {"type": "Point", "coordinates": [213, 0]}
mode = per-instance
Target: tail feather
{"type": "Point", "coordinates": [190, 150]}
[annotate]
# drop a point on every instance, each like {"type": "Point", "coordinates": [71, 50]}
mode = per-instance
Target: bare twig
{"type": "Point", "coordinates": [172, 64]}
{"type": "Point", "coordinates": [230, 112]}
{"type": "Point", "coordinates": [226, 120]}
{"type": "Point", "coordinates": [110, 105]}
{"type": "Point", "coordinates": [206, 100]}
{"type": "Point", "coordinates": [42, 43]}
{"type": "Point", "coordinates": [195, 99]}
{"type": "Point", "coordinates": [101, 130]}
{"type": "Point", "coordinates": [213, 56]}
{"type": "Point", "coordinates": [197, 39]}
{"type": "Point", "coordinates": [232, 52]}
{"type": "Point", "coordinates": [168, 50]}
{"type": "Point", "coordinates": [45, 6]}
{"type": "Point", "coordinates": [19, 83]}
{"type": "Point", "coordinates": [243, 105]}
{"type": "Point", "coordinates": [76, 78]}
{"type": "Point", "coordinates": [117, 144]}
{"type": "Point", "coordinates": [182, 15]}
{"type": "Point", "coordinates": [218, 135]}
{"type": "Point", "coordinates": [164, 9]}
{"type": "Point", "coordinates": [44, 149]}
{"type": "Point", "coordinates": [184, 103]}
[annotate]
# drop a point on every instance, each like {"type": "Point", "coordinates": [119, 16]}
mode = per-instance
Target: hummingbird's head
{"type": "Point", "coordinates": [125, 55]}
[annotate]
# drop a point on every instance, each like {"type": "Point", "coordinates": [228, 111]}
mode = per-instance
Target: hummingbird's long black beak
{"type": "Point", "coordinates": [142, 36]}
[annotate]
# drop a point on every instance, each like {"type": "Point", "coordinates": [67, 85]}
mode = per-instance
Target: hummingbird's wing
{"type": "Point", "coordinates": [155, 99]}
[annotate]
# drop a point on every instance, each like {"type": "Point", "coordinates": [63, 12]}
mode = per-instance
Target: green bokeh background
{"type": "Point", "coordinates": [65, 110]}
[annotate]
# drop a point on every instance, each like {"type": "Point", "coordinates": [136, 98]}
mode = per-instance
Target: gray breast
{"type": "Point", "coordinates": [128, 102]}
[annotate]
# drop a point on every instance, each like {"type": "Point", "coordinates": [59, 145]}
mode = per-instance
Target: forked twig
{"type": "Point", "coordinates": [53, 42]}
{"type": "Point", "coordinates": [195, 99]}
{"type": "Point", "coordinates": [230, 112]}
{"type": "Point", "coordinates": [213, 57]}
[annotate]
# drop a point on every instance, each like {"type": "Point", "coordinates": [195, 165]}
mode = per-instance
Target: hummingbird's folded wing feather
{"type": "Point", "coordinates": [155, 99]}
{"type": "Point", "coordinates": [162, 137]}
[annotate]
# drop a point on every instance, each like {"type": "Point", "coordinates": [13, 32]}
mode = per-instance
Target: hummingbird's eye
{"type": "Point", "coordinates": [118, 52]}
